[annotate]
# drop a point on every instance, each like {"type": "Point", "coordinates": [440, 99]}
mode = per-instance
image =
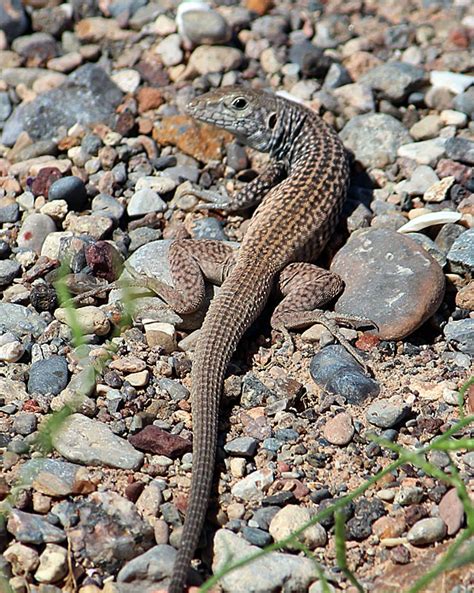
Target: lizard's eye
{"type": "Point", "coordinates": [239, 103]}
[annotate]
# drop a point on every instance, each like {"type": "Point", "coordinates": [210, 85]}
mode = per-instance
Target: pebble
{"type": "Point", "coordinates": [427, 531]}
{"type": "Point", "coordinates": [70, 189]}
{"type": "Point", "coordinates": [209, 59]}
{"type": "Point", "coordinates": [384, 414]}
{"type": "Point", "coordinates": [273, 572]}
{"type": "Point", "coordinates": [53, 564]}
{"type": "Point", "coordinates": [366, 512]}
{"type": "Point", "coordinates": [460, 149]}
{"type": "Point", "coordinates": [160, 442]}
{"type": "Point", "coordinates": [389, 279]}
{"type": "Point", "coordinates": [394, 80]}
{"type": "Point", "coordinates": [161, 334]}
{"type": "Point", "coordinates": [464, 102]}
{"type": "Point", "coordinates": [253, 486]}
{"type": "Point", "coordinates": [144, 201]}
{"type": "Point", "coordinates": [152, 566]}
{"type": "Point", "coordinates": [23, 559]}
{"type": "Point", "coordinates": [453, 81]}
{"type": "Point", "coordinates": [439, 191]}
{"type": "Point", "coordinates": [127, 80]}
{"type": "Point", "coordinates": [256, 536]}
{"type": "Point", "coordinates": [204, 27]}
{"type": "Point", "coordinates": [105, 205]}
{"type": "Point", "coordinates": [374, 138]}
{"type": "Point", "coordinates": [48, 376]}
{"type": "Point", "coordinates": [20, 320]}
{"type": "Point", "coordinates": [9, 269]}
{"type": "Point", "coordinates": [451, 511]}
{"type": "Point", "coordinates": [241, 446]}
{"type": "Point", "coordinates": [90, 442]}
{"type": "Point", "coordinates": [91, 320]}
{"type": "Point", "coordinates": [24, 423]}
{"type": "Point", "coordinates": [28, 528]}
{"type": "Point", "coordinates": [335, 371]}
{"type": "Point", "coordinates": [461, 335]}
{"type": "Point", "coordinates": [169, 50]}
{"type": "Point", "coordinates": [339, 430]}
{"type": "Point", "coordinates": [293, 517]}
{"type": "Point", "coordinates": [13, 19]}
{"type": "Point", "coordinates": [450, 117]}
{"type": "Point", "coordinates": [461, 254]}
{"type": "Point", "coordinates": [53, 477]}
{"type": "Point", "coordinates": [428, 152]}
{"type": "Point", "coordinates": [208, 228]}
{"type": "Point", "coordinates": [34, 230]}
{"type": "Point", "coordinates": [409, 495]}
{"type": "Point", "coordinates": [428, 127]}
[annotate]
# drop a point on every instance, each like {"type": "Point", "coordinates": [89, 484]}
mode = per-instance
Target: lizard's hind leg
{"type": "Point", "coordinates": [305, 288]}
{"type": "Point", "coordinates": [191, 262]}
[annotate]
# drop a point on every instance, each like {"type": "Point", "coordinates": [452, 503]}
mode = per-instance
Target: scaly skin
{"type": "Point", "coordinates": [292, 224]}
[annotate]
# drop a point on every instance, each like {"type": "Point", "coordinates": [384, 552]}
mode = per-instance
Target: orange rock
{"type": "Point", "coordinates": [149, 98]}
{"type": "Point", "coordinates": [261, 7]}
{"type": "Point", "coordinates": [203, 142]}
{"type": "Point", "coordinates": [360, 62]}
{"type": "Point", "coordinates": [367, 342]}
{"type": "Point", "coordinates": [386, 527]}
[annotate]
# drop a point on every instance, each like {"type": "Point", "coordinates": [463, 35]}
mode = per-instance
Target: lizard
{"type": "Point", "coordinates": [300, 197]}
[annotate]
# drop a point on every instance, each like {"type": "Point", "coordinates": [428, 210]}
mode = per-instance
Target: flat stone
{"type": "Point", "coordinates": [460, 149]}
{"type": "Point", "coordinates": [241, 446]}
{"type": "Point", "coordinates": [34, 231]}
{"type": "Point", "coordinates": [204, 27]}
{"type": "Point", "coordinates": [144, 201]}
{"type": "Point", "coordinates": [253, 486]}
{"type": "Point", "coordinates": [461, 334]}
{"type": "Point", "coordinates": [9, 269]}
{"type": "Point", "coordinates": [454, 81]}
{"type": "Point", "coordinates": [394, 80]}
{"type": "Point", "coordinates": [273, 572]}
{"type": "Point", "coordinates": [339, 430]}
{"type": "Point", "coordinates": [384, 414]}
{"type": "Point", "coordinates": [389, 279]}
{"type": "Point", "coordinates": [374, 138]}
{"type": "Point", "coordinates": [155, 440]}
{"type": "Point", "coordinates": [336, 371]}
{"type": "Point", "coordinates": [292, 517]}
{"type": "Point", "coordinates": [451, 511]}
{"type": "Point", "coordinates": [427, 152]}
{"type": "Point", "coordinates": [208, 59]}
{"type": "Point", "coordinates": [48, 376]}
{"type": "Point", "coordinates": [439, 191]}
{"type": "Point", "coordinates": [57, 478]}
{"type": "Point", "coordinates": [53, 564]}
{"type": "Point", "coordinates": [461, 254]}
{"type": "Point", "coordinates": [428, 127]}
{"type": "Point", "coordinates": [20, 320]}
{"type": "Point", "coordinates": [28, 528]}
{"type": "Point", "coordinates": [427, 531]}
{"type": "Point", "coordinates": [91, 320]}
{"type": "Point", "coordinates": [90, 442]}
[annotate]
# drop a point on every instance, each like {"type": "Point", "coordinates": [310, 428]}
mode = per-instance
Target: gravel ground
{"type": "Point", "coordinates": [96, 164]}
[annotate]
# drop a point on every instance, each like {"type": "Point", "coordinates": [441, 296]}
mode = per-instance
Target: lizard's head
{"type": "Point", "coordinates": [248, 114]}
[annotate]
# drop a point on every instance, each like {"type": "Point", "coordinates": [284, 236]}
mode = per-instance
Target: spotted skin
{"type": "Point", "coordinates": [292, 224]}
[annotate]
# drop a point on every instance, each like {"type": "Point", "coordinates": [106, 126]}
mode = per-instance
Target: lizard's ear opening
{"type": "Point", "coordinates": [272, 120]}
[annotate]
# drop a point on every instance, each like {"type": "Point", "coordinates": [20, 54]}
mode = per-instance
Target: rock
{"type": "Point", "coordinates": [428, 127]}
{"type": "Point", "coordinates": [208, 228]}
{"type": "Point", "coordinates": [384, 414]}
{"type": "Point", "coordinates": [53, 564]}
{"type": "Point", "coordinates": [34, 230]}
{"type": "Point", "coordinates": [162, 335]}
{"type": "Point", "coordinates": [13, 19]}
{"type": "Point", "coordinates": [339, 430]}
{"type": "Point", "coordinates": [9, 269]}
{"type": "Point", "coordinates": [356, 98]}
{"type": "Point", "coordinates": [70, 189]}
{"type": "Point", "coordinates": [23, 559]}
{"type": "Point", "coordinates": [28, 528]}
{"type": "Point", "coordinates": [455, 82]}
{"type": "Point", "coordinates": [465, 297]}
{"type": "Point", "coordinates": [461, 334]}
{"type": "Point", "coordinates": [439, 191]}
{"type": "Point", "coordinates": [450, 117]}
{"type": "Point", "coordinates": [149, 98]}
{"type": "Point", "coordinates": [429, 246]}
{"type": "Point", "coordinates": [335, 371]}
{"type": "Point", "coordinates": [20, 320]}
{"type": "Point", "coordinates": [460, 149]}
{"type": "Point", "coordinates": [293, 517]}
{"type": "Point", "coordinates": [253, 486]}
{"type": "Point", "coordinates": [56, 478]}
{"type": "Point", "coordinates": [427, 531]}
{"type": "Point", "coordinates": [88, 96]}
{"type": "Point", "coordinates": [162, 184]}
{"type": "Point", "coordinates": [92, 443]}
{"type": "Point", "coordinates": [91, 320]}
{"type": "Point", "coordinates": [127, 80]}
{"type": "Point", "coordinates": [422, 178]}
{"type": "Point", "coordinates": [24, 423]}
{"type": "Point", "coordinates": [203, 142]}
{"type": "Point", "coordinates": [105, 205]}
{"type": "Point", "coordinates": [366, 512]}
{"type": "Point", "coordinates": [394, 80]}
{"type": "Point", "coordinates": [145, 201]}
{"type": "Point", "coordinates": [273, 572]}
{"type": "Point", "coordinates": [107, 531]}
{"type": "Point", "coordinates": [464, 102]}
{"type": "Point", "coordinates": [427, 152]}
{"type": "Point", "coordinates": [389, 279]}
{"type": "Point", "coordinates": [409, 495]}
{"type": "Point", "coordinates": [451, 511]}
{"type": "Point", "coordinates": [336, 77]}
{"type": "Point", "coordinates": [241, 446]}
{"type": "Point", "coordinates": [48, 376]}
{"type": "Point", "coordinates": [374, 138]}
{"type": "Point", "coordinates": [207, 59]}
{"type": "Point", "coordinates": [461, 254]}
{"type": "Point", "coordinates": [9, 212]}
{"type": "Point", "coordinates": [204, 27]}
{"type": "Point", "coordinates": [160, 442]}
{"type": "Point", "coordinates": [169, 50]}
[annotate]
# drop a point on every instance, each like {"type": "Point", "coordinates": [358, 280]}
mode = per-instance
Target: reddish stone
{"type": "Point", "coordinates": [43, 181]}
{"type": "Point", "coordinates": [125, 123]}
{"type": "Point", "coordinates": [31, 406]}
{"type": "Point", "coordinates": [104, 260]}
{"type": "Point", "coordinates": [261, 7]}
{"type": "Point", "coordinates": [470, 399]}
{"type": "Point", "coordinates": [459, 37]}
{"type": "Point", "coordinates": [153, 72]}
{"type": "Point", "coordinates": [133, 490]}
{"type": "Point", "coordinates": [447, 168]}
{"type": "Point", "coordinates": [414, 513]}
{"type": "Point", "coordinates": [156, 440]}
{"type": "Point", "coordinates": [400, 555]}
{"type": "Point", "coordinates": [367, 342]}
{"type": "Point", "coordinates": [451, 510]}
{"type": "Point", "coordinates": [149, 98]}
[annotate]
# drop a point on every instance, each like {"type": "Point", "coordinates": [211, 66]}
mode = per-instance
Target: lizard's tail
{"type": "Point", "coordinates": [240, 300]}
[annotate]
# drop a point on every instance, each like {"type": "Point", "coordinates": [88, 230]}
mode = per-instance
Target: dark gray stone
{"type": "Point", "coordinates": [461, 254]}
{"type": "Point", "coordinates": [24, 423]}
{"type": "Point", "coordinates": [447, 235]}
{"type": "Point", "coordinates": [241, 446]}
{"type": "Point", "coordinates": [461, 333]}
{"type": "Point", "coordinates": [337, 76]}
{"type": "Point", "coordinates": [105, 205]}
{"type": "Point", "coordinates": [9, 269]}
{"type": "Point", "coordinates": [460, 149]}
{"type": "Point", "coordinates": [13, 20]}
{"type": "Point", "coordinates": [336, 371]}
{"type": "Point", "coordinates": [430, 247]}
{"type": "Point", "coordinates": [256, 536]}
{"type": "Point", "coordinates": [5, 106]}
{"type": "Point", "coordinates": [20, 320]}
{"type": "Point", "coordinates": [465, 102]}
{"type": "Point", "coordinates": [88, 96]}
{"type": "Point", "coordinates": [48, 376]}
{"type": "Point", "coordinates": [28, 528]}
{"type": "Point", "coordinates": [394, 80]}
{"type": "Point", "coordinates": [70, 189]}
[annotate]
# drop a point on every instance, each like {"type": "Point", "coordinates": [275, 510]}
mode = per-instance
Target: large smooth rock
{"type": "Point", "coordinates": [88, 96]}
{"type": "Point", "coordinates": [389, 279]}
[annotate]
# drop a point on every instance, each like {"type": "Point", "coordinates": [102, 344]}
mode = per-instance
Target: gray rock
{"type": "Point", "coordinates": [130, 7]}
{"type": "Point", "coordinates": [209, 59]}
{"type": "Point", "coordinates": [90, 442]}
{"type": "Point", "coordinates": [24, 423]}
{"type": "Point", "coordinates": [394, 80]}
{"type": "Point", "coordinates": [336, 371]}
{"type": "Point", "coordinates": [292, 517]}
{"type": "Point", "coordinates": [389, 279]}
{"type": "Point", "coordinates": [337, 76]}
{"type": "Point", "coordinates": [273, 572]}
{"type": "Point", "coordinates": [105, 205]}
{"type": "Point", "coordinates": [461, 333]}
{"type": "Point", "coordinates": [9, 269]}
{"type": "Point", "coordinates": [9, 212]}
{"type": "Point", "coordinates": [70, 189]}
{"type": "Point", "coordinates": [88, 96]}
{"type": "Point", "coordinates": [48, 376]}
{"type": "Point", "coordinates": [20, 320]}
{"type": "Point", "coordinates": [465, 102]}
{"type": "Point", "coordinates": [257, 536]}
{"type": "Point", "coordinates": [461, 254]}
{"type": "Point", "coordinates": [144, 201]}
{"type": "Point", "coordinates": [384, 414]}
{"type": "Point", "coordinates": [460, 149]}
{"type": "Point", "coordinates": [244, 446]}
{"type": "Point", "coordinates": [427, 531]}
{"type": "Point", "coordinates": [173, 388]}
{"type": "Point", "coordinates": [208, 228]}
{"type": "Point", "coordinates": [430, 246]}
{"type": "Point", "coordinates": [5, 106]}
{"type": "Point", "coordinates": [142, 236]}
{"type": "Point", "coordinates": [54, 477]}
{"type": "Point", "coordinates": [13, 19]}
{"type": "Point", "coordinates": [253, 486]}
{"type": "Point", "coordinates": [422, 178]}
{"type": "Point", "coordinates": [447, 235]}
{"type": "Point", "coordinates": [374, 138]}
{"type": "Point", "coordinates": [34, 230]}
{"type": "Point", "coordinates": [33, 529]}
{"type": "Point", "coordinates": [204, 27]}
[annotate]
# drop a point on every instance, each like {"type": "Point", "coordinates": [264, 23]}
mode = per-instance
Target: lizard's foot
{"type": "Point", "coordinates": [212, 200]}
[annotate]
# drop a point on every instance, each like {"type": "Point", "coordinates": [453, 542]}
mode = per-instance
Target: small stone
{"type": "Point", "coordinates": [428, 127]}
{"type": "Point", "coordinates": [162, 335]}
{"type": "Point", "coordinates": [366, 512]}
{"type": "Point", "coordinates": [23, 559]}
{"type": "Point", "coordinates": [70, 189]}
{"type": "Point", "coordinates": [461, 254]}
{"type": "Point", "coordinates": [465, 297]}
{"type": "Point", "coordinates": [460, 149]}
{"type": "Point", "coordinates": [56, 478]}
{"type": "Point", "coordinates": [336, 371]}
{"type": "Point", "coordinates": [28, 528]}
{"type": "Point", "coordinates": [461, 335]}
{"type": "Point", "coordinates": [356, 98]}
{"type": "Point", "coordinates": [53, 564]}
{"type": "Point", "coordinates": [394, 80]}
{"type": "Point", "coordinates": [388, 527]}
{"type": "Point", "coordinates": [451, 511]}
{"type": "Point", "coordinates": [25, 423]}
{"type": "Point", "coordinates": [390, 280]}
{"type": "Point", "coordinates": [91, 320]}
{"type": "Point", "coordinates": [244, 446]}
{"type": "Point", "coordinates": [20, 320]}
{"type": "Point", "coordinates": [427, 152]}
{"type": "Point", "coordinates": [48, 376]}
{"type": "Point", "coordinates": [384, 414]}
{"type": "Point", "coordinates": [439, 191]}
{"type": "Point", "coordinates": [339, 430]}
{"type": "Point", "coordinates": [464, 102]}
{"type": "Point", "coordinates": [127, 80]}
{"type": "Point", "coordinates": [427, 531]}
{"type": "Point", "coordinates": [105, 205]}
{"type": "Point", "coordinates": [409, 495]}
{"type": "Point", "coordinates": [254, 485]}
{"type": "Point", "coordinates": [450, 117]}
{"type": "Point", "coordinates": [455, 82]}
{"type": "Point", "coordinates": [13, 19]}
{"type": "Point", "coordinates": [104, 260]}
{"type": "Point", "coordinates": [207, 59]}
{"type": "Point", "coordinates": [169, 50]}
{"type": "Point", "coordinates": [80, 439]}
{"type": "Point", "coordinates": [145, 201]}
{"type": "Point", "coordinates": [256, 536]}
{"type": "Point", "coordinates": [374, 138]}
{"type": "Point", "coordinates": [208, 228]}
{"type": "Point", "coordinates": [34, 231]}
{"type": "Point", "coordinates": [156, 440]}
{"type": "Point", "coordinates": [9, 269]}
{"type": "Point", "coordinates": [201, 27]}
{"type": "Point", "coordinates": [291, 518]}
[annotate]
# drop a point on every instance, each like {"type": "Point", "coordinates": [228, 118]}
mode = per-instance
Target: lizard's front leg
{"type": "Point", "coordinates": [248, 196]}
{"type": "Point", "coordinates": [305, 288]}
